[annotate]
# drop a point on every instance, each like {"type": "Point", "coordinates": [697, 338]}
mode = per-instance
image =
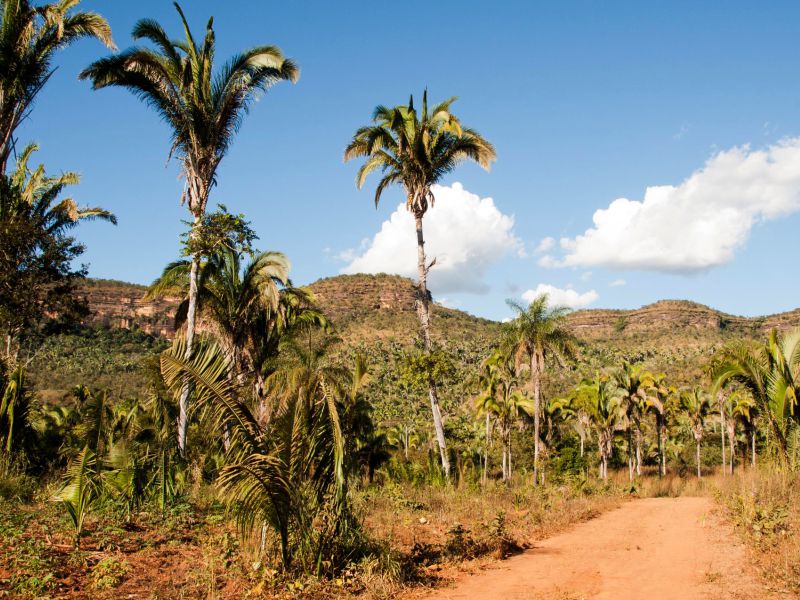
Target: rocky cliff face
{"type": "Point", "coordinates": [349, 298]}
{"type": "Point", "coordinates": [675, 316]}
{"type": "Point", "coordinates": [122, 305]}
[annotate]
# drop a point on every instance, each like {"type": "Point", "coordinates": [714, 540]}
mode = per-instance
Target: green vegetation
{"type": "Point", "coordinates": [280, 444]}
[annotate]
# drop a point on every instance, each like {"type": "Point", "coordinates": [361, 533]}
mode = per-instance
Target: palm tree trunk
{"type": "Point", "coordinates": [732, 445]}
{"type": "Point", "coordinates": [660, 447]}
{"type": "Point", "coordinates": [698, 460]}
{"type": "Point", "coordinates": [423, 310]}
{"type": "Point", "coordinates": [508, 451]}
{"type": "Point", "coordinates": [722, 431]}
{"type": "Point", "coordinates": [183, 405]}
{"type": "Point", "coordinates": [486, 452]}
{"type": "Point", "coordinates": [537, 393]}
{"type": "Point", "coordinates": [638, 433]}
{"type": "Point", "coordinates": [753, 447]}
{"type": "Point", "coordinates": [630, 453]}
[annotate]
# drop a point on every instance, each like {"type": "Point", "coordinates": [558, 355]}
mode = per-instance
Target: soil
{"type": "Point", "coordinates": [658, 548]}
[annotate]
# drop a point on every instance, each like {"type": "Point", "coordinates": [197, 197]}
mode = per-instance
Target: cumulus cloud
{"type": "Point", "coordinates": [561, 297]}
{"type": "Point", "coordinates": [545, 245]}
{"type": "Point", "coordinates": [696, 225]}
{"type": "Point", "coordinates": [618, 283]}
{"type": "Point", "coordinates": [465, 233]}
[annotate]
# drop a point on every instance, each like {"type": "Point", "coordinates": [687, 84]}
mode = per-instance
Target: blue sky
{"type": "Point", "coordinates": [586, 102]}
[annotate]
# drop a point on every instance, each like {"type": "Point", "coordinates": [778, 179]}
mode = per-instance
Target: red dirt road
{"type": "Point", "coordinates": [650, 549]}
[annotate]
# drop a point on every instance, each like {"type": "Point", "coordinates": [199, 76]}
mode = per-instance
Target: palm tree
{"type": "Point", "coordinates": [696, 405]}
{"type": "Point", "coordinates": [34, 223]}
{"type": "Point", "coordinates": [403, 436]}
{"type": "Point", "coordinates": [658, 394]}
{"type": "Point", "coordinates": [504, 403]}
{"type": "Point", "coordinates": [597, 398]}
{"type": "Point", "coordinates": [417, 151]}
{"type": "Point", "coordinates": [288, 474]}
{"type": "Point", "coordinates": [770, 373]}
{"type": "Point", "coordinates": [632, 387]}
{"type": "Point", "coordinates": [204, 110]}
{"type": "Point", "coordinates": [739, 408]}
{"type": "Point", "coordinates": [536, 333]}
{"type": "Point", "coordinates": [29, 38]}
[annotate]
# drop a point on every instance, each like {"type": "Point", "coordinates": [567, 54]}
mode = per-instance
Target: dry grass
{"type": "Point", "coordinates": [763, 505]}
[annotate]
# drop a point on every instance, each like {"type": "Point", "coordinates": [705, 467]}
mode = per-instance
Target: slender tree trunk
{"type": "Point", "coordinates": [582, 444]}
{"type": "Point", "coordinates": [486, 451]}
{"type": "Point", "coordinates": [423, 310]}
{"type": "Point", "coordinates": [722, 431]}
{"type": "Point", "coordinates": [630, 453]}
{"type": "Point", "coordinates": [183, 404]}
{"type": "Point", "coordinates": [698, 460]}
{"type": "Point", "coordinates": [753, 447]}
{"type": "Point", "coordinates": [660, 447]}
{"type": "Point", "coordinates": [537, 399]}
{"type": "Point", "coordinates": [732, 444]}
{"type": "Point", "coordinates": [508, 445]}
{"type": "Point", "coordinates": [638, 433]}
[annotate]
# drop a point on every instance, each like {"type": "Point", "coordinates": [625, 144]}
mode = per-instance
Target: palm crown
{"type": "Point", "coordinates": [203, 108]}
{"type": "Point", "coordinates": [29, 37]}
{"type": "Point", "coordinates": [416, 150]}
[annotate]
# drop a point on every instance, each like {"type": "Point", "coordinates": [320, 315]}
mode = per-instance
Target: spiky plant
{"type": "Point", "coordinates": [79, 490]}
{"type": "Point", "coordinates": [286, 475]}
{"type": "Point", "coordinates": [204, 108]}
{"type": "Point", "coordinates": [416, 150]}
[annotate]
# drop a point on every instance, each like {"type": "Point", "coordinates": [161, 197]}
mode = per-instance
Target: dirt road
{"type": "Point", "coordinates": [670, 548]}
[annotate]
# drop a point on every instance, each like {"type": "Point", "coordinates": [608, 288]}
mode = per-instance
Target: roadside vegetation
{"type": "Point", "coordinates": [262, 452]}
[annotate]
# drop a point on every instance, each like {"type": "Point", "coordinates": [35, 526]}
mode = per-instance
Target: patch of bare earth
{"type": "Point", "coordinates": [657, 548]}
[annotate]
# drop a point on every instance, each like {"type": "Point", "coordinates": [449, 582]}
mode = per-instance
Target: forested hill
{"type": "Point", "coordinates": [382, 306]}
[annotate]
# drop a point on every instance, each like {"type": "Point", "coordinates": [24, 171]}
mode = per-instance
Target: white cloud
{"type": "Point", "coordinates": [465, 233]}
{"type": "Point", "coordinates": [545, 245]}
{"type": "Point", "coordinates": [586, 276]}
{"type": "Point", "coordinates": [561, 297]}
{"type": "Point", "coordinates": [696, 225]}
{"type": "Point", "coordinates": [618, 283]}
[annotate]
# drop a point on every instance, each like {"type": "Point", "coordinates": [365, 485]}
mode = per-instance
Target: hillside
{"type": "Point", "coordinates": [382, 306]}
{"type": "Point", "coordinates": [375, 315]}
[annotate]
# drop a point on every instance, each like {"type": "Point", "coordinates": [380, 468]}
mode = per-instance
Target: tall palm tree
{"type": "Point", "coordinates": [598, 400]}
{"type": "Point", "coordinates": [30, 36]}
{"type": "Point", "coordinates": [204, 109]}
{"type": "Point", "coordinates": [658, 394]}
{"type": "Point", "coordinates": [417, 151]}
{"type": "Point", "coordinates": [536, 333]}
{"type": "Point", "coordinates": [632, 389]}
{"type": "Point", "coordinates": [696, 405]}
